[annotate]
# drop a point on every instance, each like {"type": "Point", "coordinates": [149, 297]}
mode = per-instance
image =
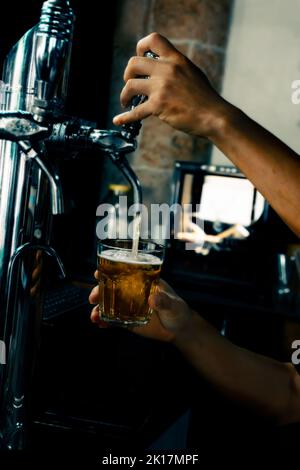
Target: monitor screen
{"type": "Point", "coordinates": [230, 200]}
{"type": "Point", "coordinates": [225, 199]}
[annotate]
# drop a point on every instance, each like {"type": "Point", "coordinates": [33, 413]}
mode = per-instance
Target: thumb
{"type": "Point", "coordinates": [160, 300]}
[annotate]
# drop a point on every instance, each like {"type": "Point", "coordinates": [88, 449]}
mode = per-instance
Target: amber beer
{"type": "Point", "coordinates": [126, 282]}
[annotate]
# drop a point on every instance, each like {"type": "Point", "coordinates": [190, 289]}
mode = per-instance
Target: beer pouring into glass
{"type": "Point", "coordinates": [129, 270]}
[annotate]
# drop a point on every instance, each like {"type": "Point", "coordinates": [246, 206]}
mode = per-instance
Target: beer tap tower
{"type": "Point", "coordinates": [32, 124]}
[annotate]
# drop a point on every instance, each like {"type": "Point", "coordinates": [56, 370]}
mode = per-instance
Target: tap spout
{"type": "Point", "coordinates": [75, 135]}
{"type": "Point", "coordinates": [56, 192]}
{"type": "Point", "coordinates": [122, 163]}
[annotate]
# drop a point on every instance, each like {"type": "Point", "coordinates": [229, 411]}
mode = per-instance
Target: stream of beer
{"type": "Point", "coordinates": [136, 234]}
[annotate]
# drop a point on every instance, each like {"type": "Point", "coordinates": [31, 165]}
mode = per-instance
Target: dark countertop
{"type": "Point", "coordinates": [107, 385]}
{"type": "Point", "coordinates": [238, 284]}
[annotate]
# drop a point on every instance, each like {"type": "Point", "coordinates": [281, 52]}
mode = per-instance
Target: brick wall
{"type": "Point", "coordinates": [199, 29]}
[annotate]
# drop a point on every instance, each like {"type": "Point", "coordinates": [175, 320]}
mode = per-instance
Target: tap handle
{"type": "Point", "coordinates": [19, 125]}
{"type": "Point", "coordinates": [74, 135]}
{"type": "Point", "coordinates": [134, 127]}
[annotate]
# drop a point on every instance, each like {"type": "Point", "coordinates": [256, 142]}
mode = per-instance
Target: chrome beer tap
{"type": "Point", "coordinates": [32, 125]}
{"type": "Point", "coordinates": [33, 93]}
{"type": "Point", "coordinates": [73, 135]}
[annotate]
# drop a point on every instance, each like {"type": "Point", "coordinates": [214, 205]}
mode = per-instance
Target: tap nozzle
{"type": "Point", "coordinates": [76, 135]}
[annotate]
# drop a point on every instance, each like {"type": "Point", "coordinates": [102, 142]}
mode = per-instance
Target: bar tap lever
{"type": "Point", "coordinates": [133, 128]}
{"type": "Point", "coordinates": [20, 125]}
{"type": "Point", "coordinates": [21, 128]}
{"type": "Point", "coordinates": [56, 193]}
{"type": "Point", "coordinates": [73, 136]}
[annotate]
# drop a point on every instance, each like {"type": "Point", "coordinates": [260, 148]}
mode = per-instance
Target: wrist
{"type": "Point", "coordinates": [225, 117]}
{"type": "Point", "coordinates": [189, 332]}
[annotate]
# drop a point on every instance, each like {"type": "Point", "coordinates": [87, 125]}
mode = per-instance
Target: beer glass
{"type": "Point", "coordinates": [126, 280]}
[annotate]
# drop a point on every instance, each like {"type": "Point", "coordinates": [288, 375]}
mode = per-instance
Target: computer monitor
{"type": "Point", "coordinates": [220, 196]}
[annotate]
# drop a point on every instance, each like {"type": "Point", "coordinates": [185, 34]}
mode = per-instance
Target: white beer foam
{"type": "Point", "coordinates": [126, 257]}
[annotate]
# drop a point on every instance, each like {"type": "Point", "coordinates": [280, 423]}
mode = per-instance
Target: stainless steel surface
{"type": "Point", "coordinates": [52, 55]}
{"type": "Point", "coordinates": [77, 135]}
{"type": "Point", "coordinates": [283, 287]}
{"type": "Point", "coordinates": [55, 189]}
{"type": "Point", "coordinates": [123, 165]}
{"type": "Point", "coordinates": [28, 189]}
{"type": "Point", "coordinates": [16, 126]}
{"type": "Point", "coordinates": [72, 136]}
{"type": "Point", "coordinates": [35, 76]}
{"type": "Point", "coordinates": [16, 399]}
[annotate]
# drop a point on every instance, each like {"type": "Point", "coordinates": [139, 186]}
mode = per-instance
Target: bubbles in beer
{"type": "Point", "coordinates": [125, 282]}
{"type": "Point", "coordinates": [124, 256]}
{"type": "Point", "coordinates": [137, 222]}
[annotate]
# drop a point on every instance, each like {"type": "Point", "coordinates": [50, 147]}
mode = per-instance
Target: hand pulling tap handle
{"type": "Point", "coordinates": [134, 127]}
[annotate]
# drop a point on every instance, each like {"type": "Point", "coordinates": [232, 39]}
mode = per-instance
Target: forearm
{"type": "Point", "coordinates": [179, 94]}
{"type": "Point", "coordinates": [267, 386]}
{"type": "Point", "coordinates": [265, 160]}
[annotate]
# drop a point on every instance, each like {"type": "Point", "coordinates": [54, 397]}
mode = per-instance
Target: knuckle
{"type": "Point", "coordinates": [128, 70]}
{"type": "Point", "coordinates": [129, 85]}
{"type": "Point", "coordinates": [132, 61]}
{"type": "Point", "coordinates": [156, 103]}
{"type": "Point", "coordinates": [140, 43]}
{"type": "Point", "coordinates": [154, 36]}
{"type": "Point", "coordinates": [125, 74]}
{"type": "Point", "coordinates": [137, 114]}
{"type": "Point", "coordinates": [180, 60]}
{"type": "Point", "coordinates": [155, 40]}
{"type": "Point", "coordinates": [163, 89]}
{"type": "Point", "coordinates": [124, 95]}
{"type": "Point", "coordinates": [174, 70]}
{"type": "Point", "coordinates": [152, 39]}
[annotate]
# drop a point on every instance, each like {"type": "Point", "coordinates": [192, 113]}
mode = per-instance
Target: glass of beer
{"type": "Point", "coordinates": [126, 279]}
